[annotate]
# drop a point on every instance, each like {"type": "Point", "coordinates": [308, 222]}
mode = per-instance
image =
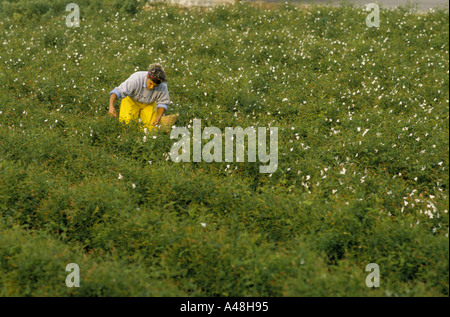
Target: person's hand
{"type": "Point", "coordinates": [112, 112]}
{"type": "Point", "coordinates": [156, 121]}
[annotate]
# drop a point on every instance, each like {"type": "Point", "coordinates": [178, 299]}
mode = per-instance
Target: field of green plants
{"type": "Point", "coordinates": [363, 122]}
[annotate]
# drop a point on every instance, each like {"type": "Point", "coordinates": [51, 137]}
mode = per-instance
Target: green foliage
{"type": "Point", "coordinates": [362, 115]}
{"type": "Point", "coordinates": [43, 273]}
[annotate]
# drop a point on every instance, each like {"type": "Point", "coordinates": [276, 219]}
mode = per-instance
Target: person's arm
{"type": "Point", "coordinates": [123, 90]}
{"type": "Point", "coordinates": [112, 99]}
{"type": "Point", "coordinates": [162, 104]}
{"type": "Point", "coordinates": [159, 114]}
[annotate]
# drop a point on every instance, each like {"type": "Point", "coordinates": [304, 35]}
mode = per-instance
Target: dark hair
{"type": "Point", "coordinates": [157, 74]}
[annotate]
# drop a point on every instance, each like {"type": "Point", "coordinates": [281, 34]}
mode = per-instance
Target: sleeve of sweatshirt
{"type": "Point", "coordinates": [164, 100]}
{"type": "Point", "coordinates": [127, 87]}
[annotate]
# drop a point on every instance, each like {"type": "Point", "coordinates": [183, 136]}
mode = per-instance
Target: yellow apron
{"type": "Point", "coordinates": [132, 110]}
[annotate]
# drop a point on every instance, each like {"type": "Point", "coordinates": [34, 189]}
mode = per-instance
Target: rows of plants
{"type": "Point", "coordinates": [362, 177]}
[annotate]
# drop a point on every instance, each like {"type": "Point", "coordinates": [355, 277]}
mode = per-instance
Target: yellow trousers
{"type": "Point", "coordinates": [133, 110]}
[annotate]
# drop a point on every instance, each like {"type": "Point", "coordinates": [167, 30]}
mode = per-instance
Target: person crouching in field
{"type": "Point", "coordinates": [144, 95]}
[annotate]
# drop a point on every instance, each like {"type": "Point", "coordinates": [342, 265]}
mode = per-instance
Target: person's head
{"type": "Point", "coordinates": [155, 76]}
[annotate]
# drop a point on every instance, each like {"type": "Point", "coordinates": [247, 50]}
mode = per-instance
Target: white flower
{"type": "Point", "coordinates": [120, 176]}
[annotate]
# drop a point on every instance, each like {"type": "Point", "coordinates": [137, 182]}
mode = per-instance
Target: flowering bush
{"type": "Point", "coordinates": [363, 127]}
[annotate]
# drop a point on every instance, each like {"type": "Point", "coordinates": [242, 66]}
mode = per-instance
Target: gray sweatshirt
{"type": "Point", "coordinates": [135, 87]}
